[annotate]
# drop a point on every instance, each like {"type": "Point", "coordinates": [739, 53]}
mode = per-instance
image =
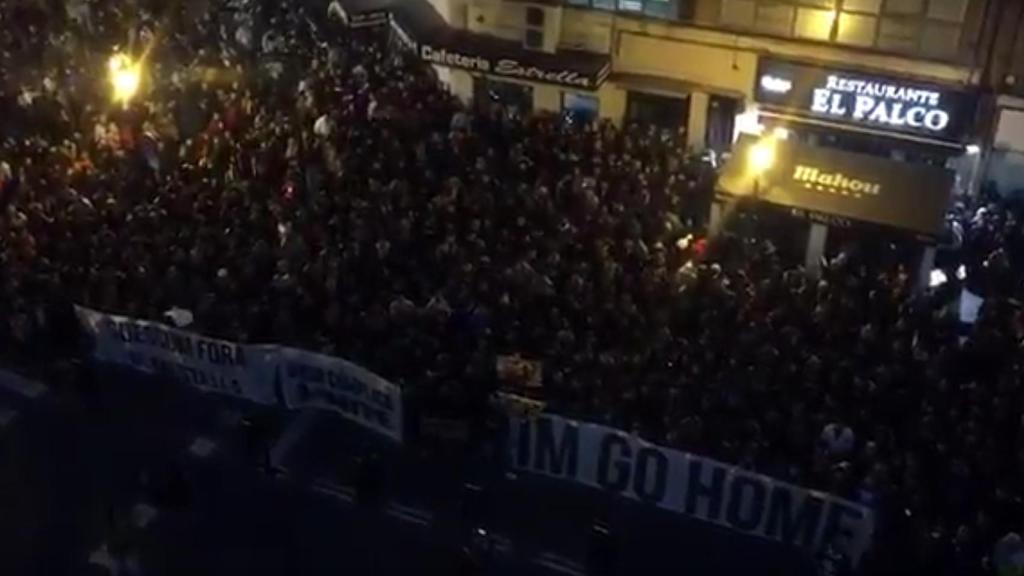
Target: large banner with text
{"type": "Point", "coordinates": [698, 487]}
{"type": "Point", "coordinates": [266, 374]}
{"type": "Point", "coordinates": [310, 380]}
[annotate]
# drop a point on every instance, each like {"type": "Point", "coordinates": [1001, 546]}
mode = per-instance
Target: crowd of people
{"type": "Point", "coordinates": [289, 181]}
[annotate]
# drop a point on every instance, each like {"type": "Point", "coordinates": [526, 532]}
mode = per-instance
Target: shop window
{"type": "Point", "coordinates": [604, 4]}
{"type": "Point", "coordinates": [814, 24]}
{"type": "Point", "coordinates": [899, 35]}
{"type": "Point", "coordinates": [948, 10]}
{"type": "Point", "coordinates": [657, 110]}
{"type": "Point", "coordinates": [515, 100]}
{"type": "Point", "coordinates": [738, 13]}
{"type": "Point", "coordinates": [868, 6]}
{"type": "Point", "coordinates": [631, 5]}
{"type": "Point", "coordinates": [579, 108]}
{"type": "Point", "coordinates": [856, 29]}
{"type": "Point", "coordinates": [579, 2]}
{"type": "Point", "coordinates": [940, 39]}
{"type": "Point", "coordinates": [903, 6]}
{"type": "Point", "coordinates": [775, 19]}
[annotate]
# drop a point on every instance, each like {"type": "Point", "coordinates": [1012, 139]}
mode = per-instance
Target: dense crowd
{"type": "Point", "coordinates": [287, 181]}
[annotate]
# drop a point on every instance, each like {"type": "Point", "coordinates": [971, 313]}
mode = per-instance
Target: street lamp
{"type": "Point", "coordinates": [125, 77]}
{"type": "Point", "coordinates": [761, 159]}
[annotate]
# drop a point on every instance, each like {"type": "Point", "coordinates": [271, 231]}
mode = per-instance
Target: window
{"type": "Point", "coordinates": [948, 10]}
{"type": "Point", "coordinates": [869, 6]}
{"type": "Point", "coordinates": [667, 9]}
{"type": "Point", "coordinates": [604, 4]}
{"type": "Point", "coordinates": [738, 13]}
{"type": "Point", "coordinates": [775, 19]}
{"type": "Point", "coordinates": [534, 38]}
{"type": "Point", "coordinates": [579, 2]}
{"type": "Point", "coordinates": [814, 24]}
{"type": "Point", "coordinates": [903, 6]}
{"type": "Point", "coordinates": [631, 5]}
{"type": "Point", "coordinates": [534, 35]}
{"type": "Point", "coordinates": [856, 30]}
{"type": "Point", "coordinates": [534, 16]}
{"type": "Point", "coordinates": [940, 39]}
{"type": "Point", "coordinates": [899, 35]}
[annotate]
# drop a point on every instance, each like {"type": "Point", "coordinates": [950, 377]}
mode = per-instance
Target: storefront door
{"type": "Point", "coordinates": [666, 112]}
{"type": "Point", "coordinates": [721, 121]}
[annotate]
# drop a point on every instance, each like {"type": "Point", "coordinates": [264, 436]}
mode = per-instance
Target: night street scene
{"type": "Point", "coordinates": [511, 287]}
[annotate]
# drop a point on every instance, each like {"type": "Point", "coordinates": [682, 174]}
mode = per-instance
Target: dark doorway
{"type": "Point", "coordinates": [721, 122]}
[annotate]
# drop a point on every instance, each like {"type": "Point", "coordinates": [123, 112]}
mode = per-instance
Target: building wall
{"type": "Point", "coordinates": [728, 43]}
{"type": "Point", "coordinates": [508, 20]}
{"type": "Point", "coordinates": [703, 57]}
{"type": "Point", "coordinates": [943, 30]}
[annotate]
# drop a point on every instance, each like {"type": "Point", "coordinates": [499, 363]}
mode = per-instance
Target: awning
{"type": "Point", "coordinates": [662, 85]}
{"type": "Point", "coordinates": [839, 187]}
{"type": "Point", "coordinates": [419, 26]}
{"type": "Point", "coordinates": [364, 13]}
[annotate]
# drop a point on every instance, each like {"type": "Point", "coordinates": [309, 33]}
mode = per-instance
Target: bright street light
{"type": "Point", "coordinates": [762, 156]}
{"type": "Point", "coordinates": [124, 77]}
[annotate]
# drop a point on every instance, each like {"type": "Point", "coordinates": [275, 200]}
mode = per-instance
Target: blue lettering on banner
{"type": "Point", "coordinates": [651, 475]}
{"type": "Point", "coordinates": [614, 446]}
{"type": "Point", "coordinates": [556, 456]}
{"type": "Point", "coordinates": [265, 374]}
{"type": "Point", "coordinates": [701, 488]}
{"type": "Point", "coordinates": [793, 524]}
{"type": "Point", "coordinates": [711, 491]}
{"type": "Point", "coordinates": [746, 502]}
{"type": "Point", "coordinates": [837, 529]}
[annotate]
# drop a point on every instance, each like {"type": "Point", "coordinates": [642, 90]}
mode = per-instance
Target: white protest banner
{"type": "Point", "coordinates": [697, 487]}
{"type": "Point", "coordinates": [310, 380]}
{"type": "Point", "coordinates": [188, 358]}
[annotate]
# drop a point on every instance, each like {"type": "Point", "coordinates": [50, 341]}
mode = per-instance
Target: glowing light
{"type": "Point", "coordinates": [762, 156]}
{"type": "Point", "coordinates": [781, 133]}
{"type": "Point", "coordinates": [125, 77]}
{"type": "Point", "coordinates": [972, 149]}
{"type": "Point", "coordinates": [747, 122]}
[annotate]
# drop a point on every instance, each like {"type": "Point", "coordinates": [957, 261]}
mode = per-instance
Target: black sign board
{"type": "Point", "coordinates": [866, 100]}
{"type": "Point", "coordinates": [486, 56]}
{"type": "Point", "coordinates": [838, 188]}
{"type": "Point", "coordinates": [368, 19]}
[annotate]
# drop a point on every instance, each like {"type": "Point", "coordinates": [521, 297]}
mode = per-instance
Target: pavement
{"type": "Point", "coordinates": [145, 477]}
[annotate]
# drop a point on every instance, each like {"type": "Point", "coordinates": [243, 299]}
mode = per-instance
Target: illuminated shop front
{"type": "Point", "coordinates": [878, 114]}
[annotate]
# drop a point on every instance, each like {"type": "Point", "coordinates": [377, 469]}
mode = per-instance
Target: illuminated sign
{"type": "Point", "coordinates": [775, 84]}
{"type": "Point", "coordinates": [508, 67]}
{"type": "Point", "coordinates": [814, 178]}
{"type": "Point", "coordinates": [880, 102]}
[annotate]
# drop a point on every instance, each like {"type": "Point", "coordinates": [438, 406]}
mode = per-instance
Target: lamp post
{"type": "Point", "coordinates": [125, 77]}
{"type": "Point", "coordinates": [760, 160]}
